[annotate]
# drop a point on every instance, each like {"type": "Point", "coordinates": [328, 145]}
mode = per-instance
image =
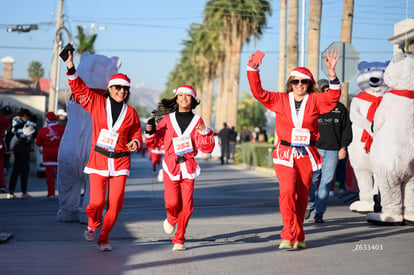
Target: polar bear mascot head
{"type": "Point", "coordinates": [392, 150]}
{"type": "Point", "coordinates": [95, 70]}
{"type": "Point", "coordinates": [371, 81]}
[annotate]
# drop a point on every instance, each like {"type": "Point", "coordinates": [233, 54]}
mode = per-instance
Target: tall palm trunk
{"type": "Point", "coordinates": [346, 37]}
{"type": "Point", "coordinates": [314, 34]}
{"type": "Point", "coordinates": [282, 46]}
{"type": "Point", "coordinates": [224, 100]}
{"type": "Point", "coordinates": [234, 76]}
{"type": "Point", "coordinates": [220, 103]}
{"type": "Point", "coordinates": [292, 47]}
{"type": "Point", "coordinates": [207, 102]}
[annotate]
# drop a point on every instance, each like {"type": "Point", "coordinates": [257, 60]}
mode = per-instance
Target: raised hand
{"type": "Point", "coordinates": [69, 61]}
{"type": "Point", "coordinates": [201, 127]}
{"type": "Point", "coordinates": [331, 59]}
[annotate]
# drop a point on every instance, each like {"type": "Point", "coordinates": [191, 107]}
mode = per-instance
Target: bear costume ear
{"type": "Point", "coordinates": [116, 61]}
{"type": "Point", "coordinates": [362, 65]}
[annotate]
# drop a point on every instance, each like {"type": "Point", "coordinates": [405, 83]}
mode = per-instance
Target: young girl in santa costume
{"type": "Point", "coordinates": [182, 133]}
{"type": "Point", "coordinates": [49, 137]}
{"type": "Point", "coordinates": [116, 131]}
{"type": "Point", "coordinates": [295, 156]}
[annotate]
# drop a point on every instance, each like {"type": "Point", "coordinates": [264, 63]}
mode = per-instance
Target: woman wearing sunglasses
{"type": "Point", "coordinates": [116, 131]}
{"type": "Point", "coordinates": [295, 156]}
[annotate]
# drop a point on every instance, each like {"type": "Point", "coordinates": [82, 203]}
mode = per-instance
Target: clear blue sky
{"type": "Point", "coordinates": [147, 35]}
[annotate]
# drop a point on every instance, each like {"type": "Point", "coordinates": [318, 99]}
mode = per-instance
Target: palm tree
{"type": "Point", "coordinates": [238, 20]}
{"type": "Point", "coordinates": [204, 50]}
{"type": "Point", "coordinates": [35, 72]}
{"type": "Point", "coordinates": [292, 47]}
{"type": "Point", "coordinates": [86, 42]}
{"type": "Point", "coordinates": [314, 34]}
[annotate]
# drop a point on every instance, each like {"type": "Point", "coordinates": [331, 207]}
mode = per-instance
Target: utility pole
{"type": "Point", "coordinates": [346, 37]}
{"type": "Point", "coordinates": [53, 92]}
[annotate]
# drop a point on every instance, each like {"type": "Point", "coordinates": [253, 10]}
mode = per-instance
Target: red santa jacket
{"type": "Point", "coordinates": [286, 119]}
{"type": "Point", "coordinates": [49, 137]}
{"type": "Point", "coordinates": [127, 126]}
{"type": "Point", "coordinates": [168, 129]}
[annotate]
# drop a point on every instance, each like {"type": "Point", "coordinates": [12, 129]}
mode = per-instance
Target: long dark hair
{"type": "Point", "coordinates": [169, 105]}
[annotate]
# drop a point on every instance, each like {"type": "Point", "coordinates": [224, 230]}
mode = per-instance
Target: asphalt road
{"type": "Point", "coordinates": [234, 229]}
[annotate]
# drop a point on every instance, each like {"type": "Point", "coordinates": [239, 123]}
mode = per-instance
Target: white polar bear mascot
{"type": "Point", "coordinates": [75, 145]}
{"type": "Point", "coordinates": [392, 151]}
{"type": "Point", "coordinates": [363, 106]}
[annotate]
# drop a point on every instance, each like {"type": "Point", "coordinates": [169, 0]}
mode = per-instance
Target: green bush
{"type": "Point", "coordinates": [254, 154]}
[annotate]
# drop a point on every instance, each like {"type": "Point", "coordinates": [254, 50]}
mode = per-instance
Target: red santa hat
{"type": "Point", "coordinates": [186, 89]}
{"type": "Point", "coordinates": [50, 116]}
{"type": "Point", "coordinates": [119, 79]}
{"type": "Point", "coordinates": [303, 73]}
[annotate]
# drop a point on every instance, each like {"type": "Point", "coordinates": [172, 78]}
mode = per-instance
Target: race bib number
{"type": "Point", "coordinates": [182, 145]}
{"type": "Point", "coordinates": [107, 140]}
{"type": "Point", "coordinates": [300, 137]}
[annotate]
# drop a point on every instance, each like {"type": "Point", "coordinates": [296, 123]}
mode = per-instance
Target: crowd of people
{"type": "Point", "coordinates": [312, 128]}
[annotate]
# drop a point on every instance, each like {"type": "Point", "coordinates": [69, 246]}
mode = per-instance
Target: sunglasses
{"type": "Point", "coordinates": [119, 87]}
{"type": "Point", "coordinates": [303, 81]}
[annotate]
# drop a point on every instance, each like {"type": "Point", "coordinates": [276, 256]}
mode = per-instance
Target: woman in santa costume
{"type": "Point", "coordinates": [49, 137]}
{"type": "Point", "coordinates": [295, 156]}
{"type": "Point", "coordinates": [182, 133]}
{"type": "Point", "coordinates": [116, 131]}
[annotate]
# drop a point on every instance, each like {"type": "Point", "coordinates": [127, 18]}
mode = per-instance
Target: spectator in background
{"type": "Point", "coordinates": [224, 136]}
{"type": "Point", "coordinates": [24, 133]}
{"type": "Point", "coordinates": [232, 142]}
{"type": "Point", "coordinates": [335, 136]}
{"type": "Point", "coordinates": [49, 138]}
{"type": "Point", "coordinates": [62, 117]}
{"type": "Point", "coordinates": [5, 123]}
{"type": "Point", "coordinates": [261, 135]}
{"type": "Point", "coordinates": [245, 134]}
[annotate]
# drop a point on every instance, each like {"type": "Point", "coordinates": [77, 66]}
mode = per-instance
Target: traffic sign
{"type": "Point", "coordinates": [347, 65]}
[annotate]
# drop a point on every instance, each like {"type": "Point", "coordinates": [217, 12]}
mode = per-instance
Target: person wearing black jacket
{"type": "Point", "coordinates": [335, 135]}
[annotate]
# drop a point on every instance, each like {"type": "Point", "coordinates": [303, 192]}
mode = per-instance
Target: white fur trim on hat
{"type": "Point", "coordinates": [187, 90]}
{"type": "Point", "coordinates": [118, 81]}
{"type": "Point", "coordinates": [299, 74]}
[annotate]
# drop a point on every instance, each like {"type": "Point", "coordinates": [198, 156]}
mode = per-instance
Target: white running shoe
{"type": "Point", "coordinates": [168, 228]}
{"type": "Point", "coordinates": [89, 235]}
{"type": "Point", "coordinates": [178, 247]}
{"type": "Point", "coordinates": [105, 247]}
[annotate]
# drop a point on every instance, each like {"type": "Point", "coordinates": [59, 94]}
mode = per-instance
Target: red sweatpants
{"type": "Point", "coordinates": [50, 179]}
{"type": "Point", "coordinates": [294, 183]}
{"type": "Point", "coordinates": [178, 197]}
{"type": "Point", "coordinates": [97, 203]}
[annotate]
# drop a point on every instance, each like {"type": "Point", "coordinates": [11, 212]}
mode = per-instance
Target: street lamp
{"type": "Point", "coordinates": [23, 28]}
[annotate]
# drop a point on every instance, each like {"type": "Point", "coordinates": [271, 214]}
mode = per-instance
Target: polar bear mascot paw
{"type": "Point", "coordinates": [75, 145]}
{"type": "Point", "coordinates": [371, 82]}
{"type": "Point", "coordinates": [392, 150]}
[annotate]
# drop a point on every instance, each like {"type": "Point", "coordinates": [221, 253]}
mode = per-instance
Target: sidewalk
{"type": "Point", "coordinates": [234, 229]}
